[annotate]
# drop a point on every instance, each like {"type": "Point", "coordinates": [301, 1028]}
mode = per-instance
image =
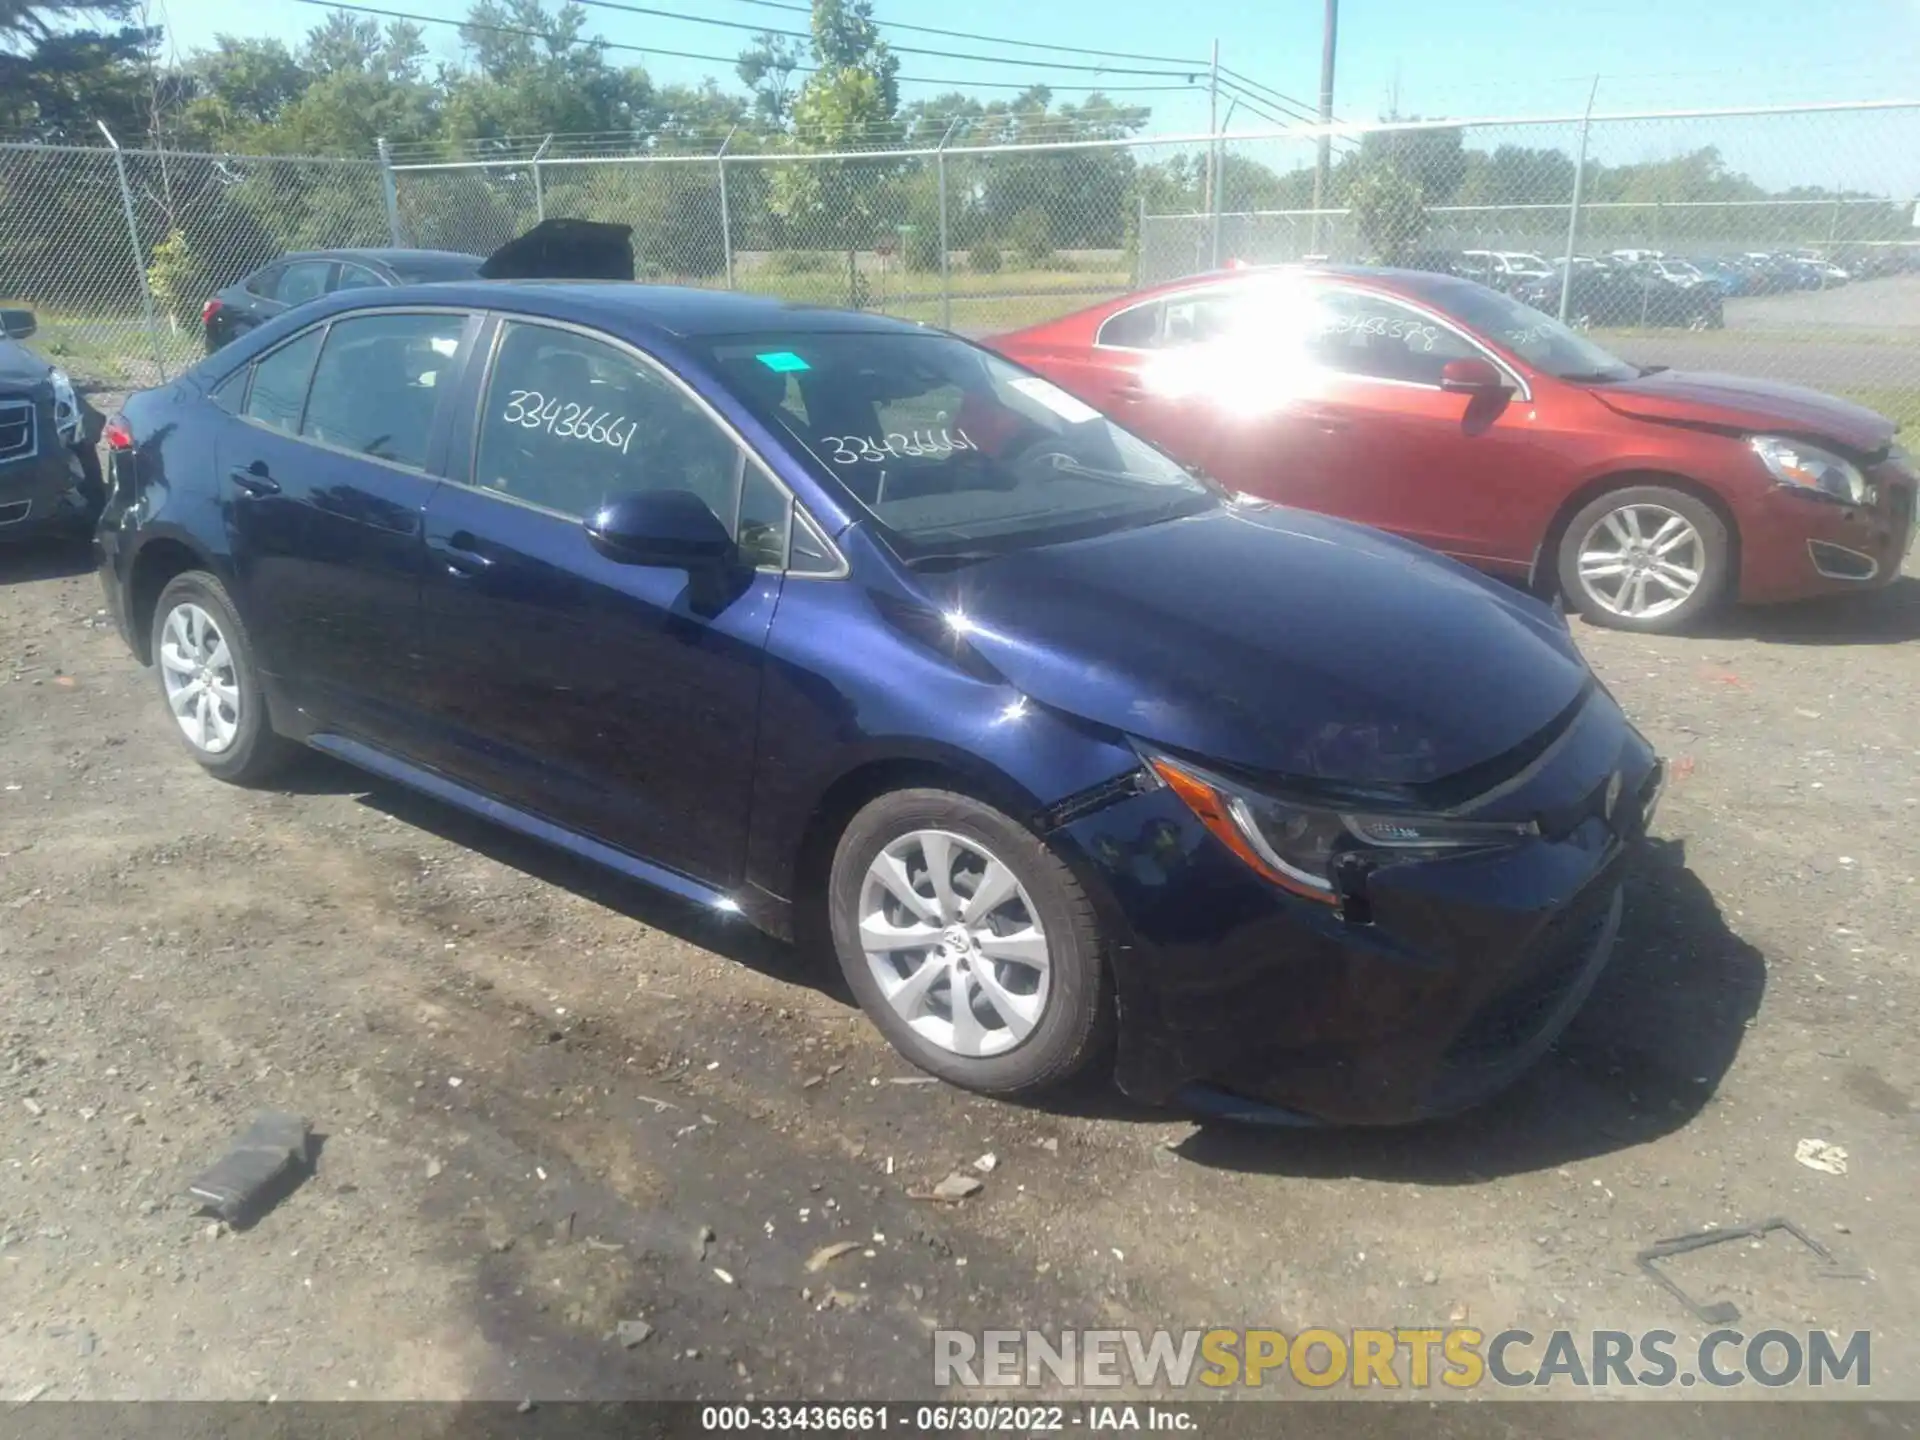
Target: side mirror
{"type": "Point", "coordinates": [17, 324]}
{"type": "Point", "coordinates": [1471, 375]}
{"type": "Point", "coordinates": [671, 529]}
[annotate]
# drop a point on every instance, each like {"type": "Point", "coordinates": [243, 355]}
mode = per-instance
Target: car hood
{"type": "Point", "coordinates": [1740, 403]}
{"type": "Point", "coordinates": [20, 368]}
{"type": "Point", "coordinates": [1276, 641]}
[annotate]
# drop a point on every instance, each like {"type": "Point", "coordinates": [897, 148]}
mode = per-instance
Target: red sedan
{"type": "Point", "coordinates": [1451, 414]}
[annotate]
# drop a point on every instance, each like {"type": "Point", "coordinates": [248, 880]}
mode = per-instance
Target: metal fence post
{"type": "Point", "coordinates": [388, 192]}
{"type": "Point", "coordinates": [1573, 210]}
{"type": "Point", "coordinates": [946, 274]}
{"type": "Point", "coordinates": [726, 219]}
{"type": "Point", "coordinates": [1140, 246]}
{"type": "Point", "coordinates": [139, 251]}
{"type": "Point", "coordinates": [539, 191]}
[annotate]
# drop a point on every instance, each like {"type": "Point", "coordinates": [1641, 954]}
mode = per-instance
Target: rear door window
{"type": "Point", "coordinates": [377, 384]}
{"type": "Point", "coordinates": [1370, 335]}
{"type": "Point", "coordinates": [303, 280]}
{"type": "Point", "coordinates": [264, 282]}
{"type": "Point", "coordinates": [357, 277]}
{"type": "Point", "coordinates": [1134, 329]}
{"type": "Point", "coordinates": [280, 383]}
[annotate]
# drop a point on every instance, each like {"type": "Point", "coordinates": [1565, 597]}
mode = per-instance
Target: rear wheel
{"type": "Point", "coordinates": [1645, 558]}
{"type": "Point", "coordinates": [210, 683]}
{"type": "Point", "coordinates": [968, 943]}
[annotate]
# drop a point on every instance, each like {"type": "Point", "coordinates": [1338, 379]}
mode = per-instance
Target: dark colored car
{"type": "Point", "coordinates": [1633, 295]}
{"type": "Point", "coordinates": [308, 274]}
{"type": "Point", "coordinates": [854, 629]}
{"type": "Point", "coordinates": [49, 467]}
{"type": "Point", "coordinates": [1450, 414]}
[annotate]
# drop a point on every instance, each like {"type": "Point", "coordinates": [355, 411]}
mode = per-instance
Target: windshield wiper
{"type": "Point", "coordinates": [1593, 377]}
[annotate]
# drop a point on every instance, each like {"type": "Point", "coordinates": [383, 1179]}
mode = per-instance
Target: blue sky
{"type": "Point", "coordinates": [1480, 57]}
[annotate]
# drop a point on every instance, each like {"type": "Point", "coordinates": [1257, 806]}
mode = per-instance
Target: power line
{"type": "Point", "coordinates": [897, 49]}
{"type": "Point", "coordinates": [726, 59]}
{"type": "Point", "coordinates": [1277, 97]}
{"type": "Point", "coordinates": [788, 5]}
{"type": "Point", "coordinates": [1255, 103]}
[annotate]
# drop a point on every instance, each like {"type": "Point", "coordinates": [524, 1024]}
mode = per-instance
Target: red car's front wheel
{"type": "Point", "coordinates": [1644, 558]}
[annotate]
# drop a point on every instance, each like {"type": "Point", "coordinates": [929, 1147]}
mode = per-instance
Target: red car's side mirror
{"type": "Point", "coordinates": [1471, 375]}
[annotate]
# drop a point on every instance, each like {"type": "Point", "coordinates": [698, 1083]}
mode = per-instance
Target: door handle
{"type": "Point", "coordinates": [460, 553]}
{"type": "Point", "coordinates": [253, 479]}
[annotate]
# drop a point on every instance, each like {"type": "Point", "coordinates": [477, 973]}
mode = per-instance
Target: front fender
{"type": "Point", "coordinates": [847, 690]}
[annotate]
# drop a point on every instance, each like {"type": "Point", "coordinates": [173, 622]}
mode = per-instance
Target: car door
{"type": "Point", "coordinates": [327, 471]}
{"type": "Point", "coordinates": [618, 700]}
{"type": "Point", "coordinates": [1376, 439]}
{"type": "Point", "coordinates": [1150, 367]}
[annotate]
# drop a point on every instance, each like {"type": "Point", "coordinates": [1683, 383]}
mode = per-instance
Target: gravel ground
{"type": "Point", "coordinates": [551, 1102]}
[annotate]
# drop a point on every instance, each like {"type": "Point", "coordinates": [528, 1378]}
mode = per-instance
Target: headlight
{"type": "Point", "coordinates": [1295, 844]}
{"type": "Point", "coordinates": [66, 407]}
{"type": "Point", "coordinates": [1794, 462]}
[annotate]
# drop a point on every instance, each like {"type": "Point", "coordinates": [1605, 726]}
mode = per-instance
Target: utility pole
{"type": "Point", "coordinates": [1213, 125]}
{"type": "Point", "coordinates": [1329, 30]}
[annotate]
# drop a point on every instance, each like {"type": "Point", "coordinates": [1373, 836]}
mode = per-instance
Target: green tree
{"type": "Point", "coordinates": [844, 204]}
{"type": "Point", "coordinates": [238, 88]}
{"type": "Point", "coordinates": [1435, 160]}
{"type": "Point", "coordinates": [1389, 211]}
{"type": "Point", "coordinates": [766, 68]}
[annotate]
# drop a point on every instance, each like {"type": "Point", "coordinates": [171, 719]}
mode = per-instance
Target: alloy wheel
{"type": "Point", "coordinates": [197, 668]}
{"type": "Point", "coordinates": [1642, 560]}
{"type": "Point", "coordinates": [955, 943]}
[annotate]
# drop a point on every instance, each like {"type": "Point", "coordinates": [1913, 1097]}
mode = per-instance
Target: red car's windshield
{"type": "Point", "coordinates": [1533, 335]}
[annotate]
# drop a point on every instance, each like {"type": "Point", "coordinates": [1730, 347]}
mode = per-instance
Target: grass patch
{"type": "Point", "coordinates": [1902, 406]}
{"type": "Point", "coordinates": [110, 351]}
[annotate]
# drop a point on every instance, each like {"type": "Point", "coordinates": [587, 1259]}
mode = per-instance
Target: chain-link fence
{"type": "Point", "coordinates": [1782, 244]}
{"type": "Point", "coordinates": [115, 251]}
{"type": "Point", "coordinates": [1777, 242]}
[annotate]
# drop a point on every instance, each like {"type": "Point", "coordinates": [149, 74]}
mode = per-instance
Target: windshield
{"type": "Point", "coordinates": [953, 450]}
{"type": "Point", "coordinates": [1537, 338]}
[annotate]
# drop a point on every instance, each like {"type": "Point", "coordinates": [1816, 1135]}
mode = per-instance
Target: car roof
{"type": "Point", "coordinates": [677, 310]}
{"type": "Point", "coordinates": [380, 254]}
{"type": "Point", "coordinates": [1430, 283]}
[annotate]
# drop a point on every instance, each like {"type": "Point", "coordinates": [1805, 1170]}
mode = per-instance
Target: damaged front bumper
{"type": "Point", "coordinates": [1242, 1000]}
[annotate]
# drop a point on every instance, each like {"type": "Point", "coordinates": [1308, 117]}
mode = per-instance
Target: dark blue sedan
{"type": "Point", "coordinates": [853, 629]}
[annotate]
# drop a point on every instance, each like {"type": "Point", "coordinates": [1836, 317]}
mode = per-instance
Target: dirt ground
{"type": "Point", "coordinates": [551, 1102]}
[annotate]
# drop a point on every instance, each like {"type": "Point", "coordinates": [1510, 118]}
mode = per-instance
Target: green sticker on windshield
{"type": "Point", "coordinates": [782, 361]}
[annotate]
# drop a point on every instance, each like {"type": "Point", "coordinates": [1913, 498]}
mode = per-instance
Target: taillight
{"type": "Point", "coordinates": [209, 310]}
{"type": "Point", "coordinates": [117, 436]}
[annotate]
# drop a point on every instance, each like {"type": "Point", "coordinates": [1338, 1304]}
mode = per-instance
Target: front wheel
{"type": "Point", "coordinates": [1645, 558]}
{"type": "Point", "coordinates": [968, 943]}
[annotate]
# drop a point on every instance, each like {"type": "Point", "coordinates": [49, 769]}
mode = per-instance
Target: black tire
{"type": "Point", "coordinates": [256, 752]}
{"type": "Point", "coordinates": [1715, 559]}
{"type": "Point", "coordinates": [1076, 1021]}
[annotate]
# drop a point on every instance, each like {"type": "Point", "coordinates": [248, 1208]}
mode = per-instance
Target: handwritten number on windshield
{"type": "Point", "coordinates": [568, 420]}
{"type": "Point", "coordinates": [858, 449]}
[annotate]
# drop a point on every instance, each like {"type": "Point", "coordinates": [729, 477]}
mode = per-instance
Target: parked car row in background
{"type": "Point", "coordinates": [1648, 287]}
